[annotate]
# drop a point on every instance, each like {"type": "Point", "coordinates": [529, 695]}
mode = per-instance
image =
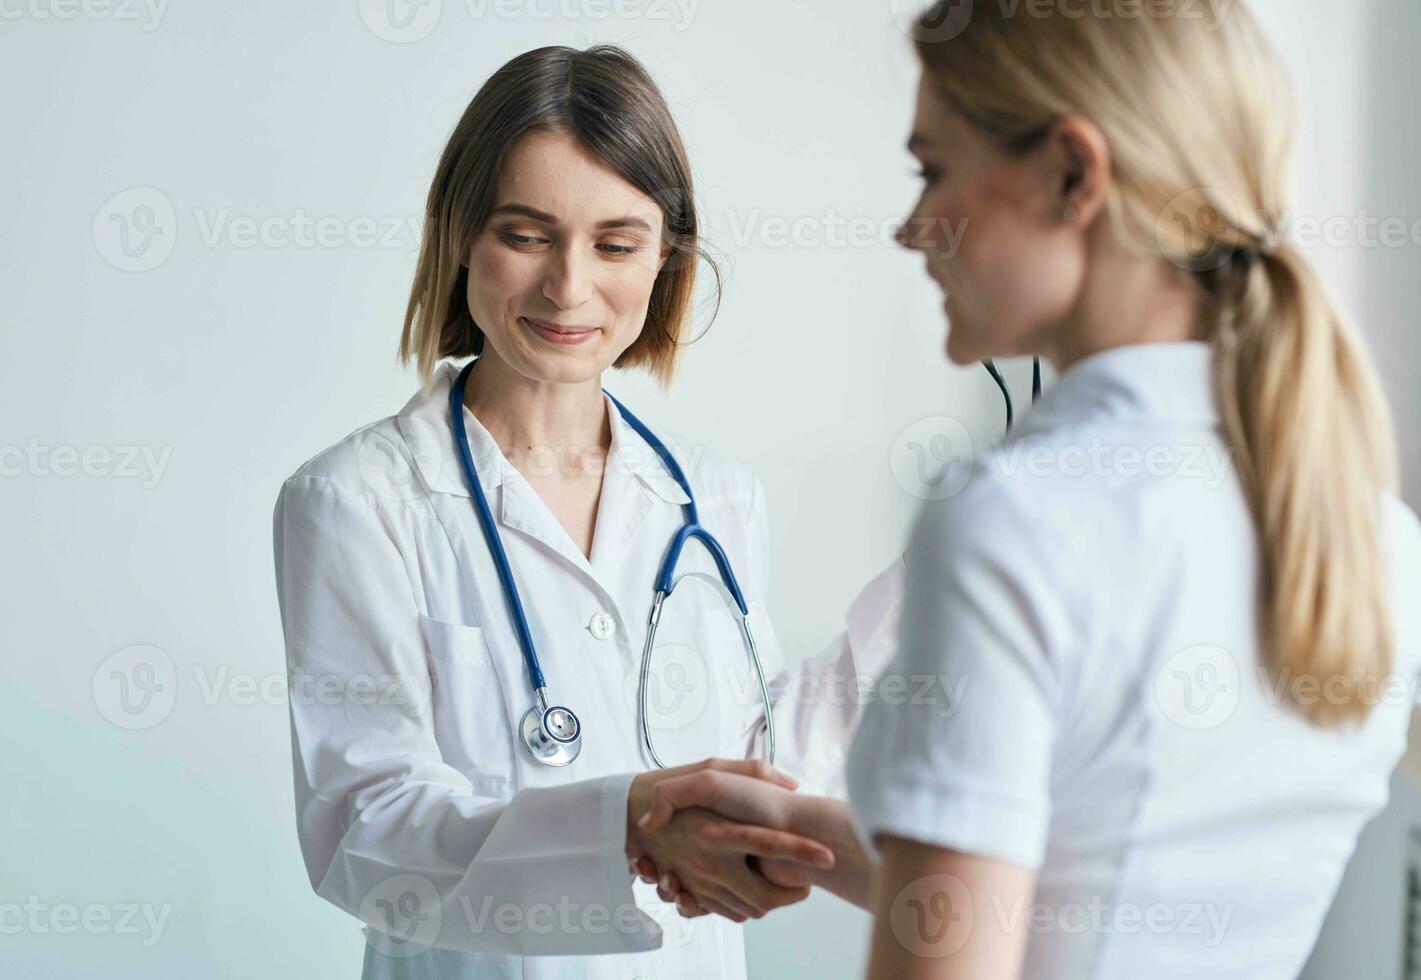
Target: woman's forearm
{"type": "Point", "coordinates": [826, 819]}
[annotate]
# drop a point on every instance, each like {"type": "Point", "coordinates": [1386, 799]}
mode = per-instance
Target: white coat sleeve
{"type": "Point", "coordinates": [380, 816]}
{"type": "Point", "coordinates": [818, 702]}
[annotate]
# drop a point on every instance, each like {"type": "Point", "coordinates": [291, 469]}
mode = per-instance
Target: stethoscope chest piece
{"type": "Point", "coordinates": [553, 736]}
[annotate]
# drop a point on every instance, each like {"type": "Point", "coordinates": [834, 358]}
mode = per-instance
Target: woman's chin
{"type": "Point", "coordinates": [558, 366]}
{"type": "Point", "coordinates": [960, 349]}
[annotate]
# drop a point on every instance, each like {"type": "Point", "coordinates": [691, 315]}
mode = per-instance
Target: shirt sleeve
{"type": "Point", "coordinates": [390, 832]}
{"type": "Point", "coordinates": [818, 702]}
{"type": "Point", "coordinates": [954, 749]}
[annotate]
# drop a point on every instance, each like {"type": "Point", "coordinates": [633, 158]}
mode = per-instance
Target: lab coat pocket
{"type": "Point", "coordinates": [471, 715]}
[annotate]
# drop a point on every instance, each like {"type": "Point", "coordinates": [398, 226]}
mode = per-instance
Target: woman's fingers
{"type": "Point", "coordinates": [667, 886]}
{"type": "Point", "coordinates": [733, 795]}
{"type": "Point", "coordinates": [758, 768]}
{"type": "Point", "coordinates": [766, 843]}
{"type": "Point", "coordinates": [687, 905]}
{"type": "Point", "coordinates": [761, 896]}
{"type": "Point", "coordinates": [645, 869]}
{"type": "Point", "coordinates": [729, 899]}
{"type": "Point", "coordinates": [786, 874]}
{"type": "Point", "coordinates": [711, 905]}
{"type": "Point", "coordinates": [682, 792]}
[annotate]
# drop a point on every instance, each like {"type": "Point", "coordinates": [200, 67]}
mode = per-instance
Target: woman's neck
{"type": "Point", "coordinates": [529, 418]}
{"type": "Point", "coordinates": [1127, 300]}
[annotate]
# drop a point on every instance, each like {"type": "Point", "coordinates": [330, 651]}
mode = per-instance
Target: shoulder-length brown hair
{"type": "Point", "coordinates": [606, 100]}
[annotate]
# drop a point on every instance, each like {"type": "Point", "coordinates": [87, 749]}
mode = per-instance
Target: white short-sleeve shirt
{"type": "Point", "coordinates": [1090, 595]}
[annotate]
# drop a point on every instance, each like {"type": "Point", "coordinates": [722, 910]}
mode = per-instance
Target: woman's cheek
{"type": "Point", "coordinates": [631, 296]}
{"type": "Point", "coordinates": [940, 226]}
{"type": "Point", "coordinates": [493, 278]}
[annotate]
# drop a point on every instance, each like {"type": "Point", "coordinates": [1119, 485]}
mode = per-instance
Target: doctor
{"type": "Point", "coordinates": [466, 586]}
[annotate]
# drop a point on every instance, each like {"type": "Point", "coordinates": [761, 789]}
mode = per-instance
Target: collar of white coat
{"type": "Point", "coordinates": [427, 428]}
{"type": "Point", "coordinates": [1164, 382]}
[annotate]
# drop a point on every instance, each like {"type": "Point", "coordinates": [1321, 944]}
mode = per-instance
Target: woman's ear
{"type": "Point", "coordinates": [1080, 162]}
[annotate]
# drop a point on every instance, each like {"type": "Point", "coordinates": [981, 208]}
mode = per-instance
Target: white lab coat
{"type": "Point", "coordinates": [418, 809]}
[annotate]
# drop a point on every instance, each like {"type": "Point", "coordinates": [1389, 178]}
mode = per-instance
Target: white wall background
{"type": "Point", "coordinates": [161, 296]}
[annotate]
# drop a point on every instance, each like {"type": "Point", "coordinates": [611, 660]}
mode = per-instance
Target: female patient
{"type": "Point", "coordinates": [1184, 690]}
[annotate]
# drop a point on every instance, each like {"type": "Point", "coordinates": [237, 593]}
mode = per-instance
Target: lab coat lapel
{"type": "Point", "coordinates": [624, 504]}
{"type": "Point", "coordinates": [522, 510]}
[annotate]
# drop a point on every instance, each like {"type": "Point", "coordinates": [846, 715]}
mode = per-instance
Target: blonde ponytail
{"type": "Point", "coordinates": [1198, 113]}
{"type": "Point", "coordinates": [1313, 449]}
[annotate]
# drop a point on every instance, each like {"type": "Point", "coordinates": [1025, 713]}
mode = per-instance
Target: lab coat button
{"type": "Point", "coordinates": [603, 625]}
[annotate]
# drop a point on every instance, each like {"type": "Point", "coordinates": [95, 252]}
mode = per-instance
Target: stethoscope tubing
{"type": "Point", "coordinates": [665, 580]}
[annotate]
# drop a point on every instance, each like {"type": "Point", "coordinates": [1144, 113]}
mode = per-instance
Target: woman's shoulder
{"type": "Point", "coordinates": [375, 460]}
{"type": "Point", "coordinates": [1017, 492]}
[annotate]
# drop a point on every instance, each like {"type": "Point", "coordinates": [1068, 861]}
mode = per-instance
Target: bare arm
{"type": "Point", "coordinates": [945, 915]}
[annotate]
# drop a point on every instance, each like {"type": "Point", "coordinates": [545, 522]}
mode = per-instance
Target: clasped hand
{"type": "Point", "coordinates": [738, 858]}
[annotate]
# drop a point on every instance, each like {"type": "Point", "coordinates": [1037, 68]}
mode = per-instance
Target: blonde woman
{"type": "Point", "coordinates": [1185, 684]}
{"type": "Point", "coordinates": [465, 585]}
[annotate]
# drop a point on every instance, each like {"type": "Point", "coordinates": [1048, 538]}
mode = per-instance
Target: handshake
{"type": "Point", "coordinates": [733, 838]}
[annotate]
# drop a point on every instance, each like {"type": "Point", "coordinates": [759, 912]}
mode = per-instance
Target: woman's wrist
{"type": "Point", "coordinates": [827, 819]}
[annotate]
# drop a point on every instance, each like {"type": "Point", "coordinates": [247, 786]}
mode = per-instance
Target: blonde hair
{"type": "Point", "coordinates": [606, 100]}
{"type": "Point", "coordinates": [1198, 113]}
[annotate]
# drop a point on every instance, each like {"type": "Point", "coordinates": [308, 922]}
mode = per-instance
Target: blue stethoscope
{"type": "Point", "coordinates": [552, 734]}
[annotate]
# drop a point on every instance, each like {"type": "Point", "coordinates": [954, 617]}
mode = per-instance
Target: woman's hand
{"type": "Point", "coordinates": [711, 853]}
{"type": "Point", "coordinates": [732, 795]}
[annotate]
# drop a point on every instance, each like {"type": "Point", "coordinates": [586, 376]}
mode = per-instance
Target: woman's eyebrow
{"type": "Point", "coordinates": [524, 210]}
{"type": "Point", "coordinates": [627, 222]}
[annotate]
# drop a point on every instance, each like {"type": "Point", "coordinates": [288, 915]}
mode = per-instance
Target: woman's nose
{"type": "Point", "coordinates": [569, 281]}
{"type": "Point", "coordinates": [904, 235]}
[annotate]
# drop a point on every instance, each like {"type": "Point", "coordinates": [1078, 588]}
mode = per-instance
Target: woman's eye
{"type": "Point", "coordinates": [611, 249]}
{"type": "Point", "coordinates": [522, 241]}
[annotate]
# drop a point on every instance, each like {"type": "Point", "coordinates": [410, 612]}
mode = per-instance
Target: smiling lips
{"type": "Point", "coordinates": [558, 334]}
